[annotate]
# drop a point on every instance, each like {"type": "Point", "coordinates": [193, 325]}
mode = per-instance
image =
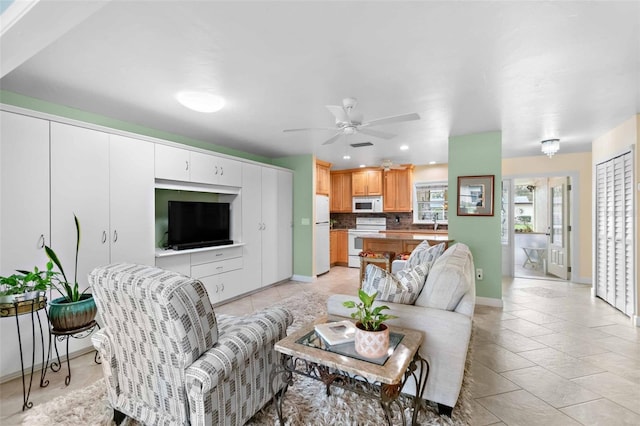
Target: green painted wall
{"type": "Point", "coordinates": [472, 155]}
{"type": "Point", "coordinates": [18, 100]}
{"type": "Point", "coordinates": [163, 196]}
{"type": "Point", "coordinates": [303, 204]}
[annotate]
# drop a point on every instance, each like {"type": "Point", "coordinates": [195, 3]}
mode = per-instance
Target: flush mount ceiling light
{"type": "Point", "coordinates": [404, 147]}
{"type": "Point", "coordinates": [550, 146]}
{"type": "Point", "coordinates": [200, 101]}
{"type": "Point", "coordinates": [346, 157]}
{"type": "Point", "coordinates": [432, 162]}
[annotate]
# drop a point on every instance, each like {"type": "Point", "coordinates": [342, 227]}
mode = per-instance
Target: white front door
{"type": "Point", "coordinates": [558, 247]}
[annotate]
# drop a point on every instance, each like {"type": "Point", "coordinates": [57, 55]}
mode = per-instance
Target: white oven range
{"type": "Point", "coordinates": [364, 225]}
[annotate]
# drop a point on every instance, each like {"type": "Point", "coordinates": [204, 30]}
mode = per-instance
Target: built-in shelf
{"type": "Point", "coordinates": [170, 252]}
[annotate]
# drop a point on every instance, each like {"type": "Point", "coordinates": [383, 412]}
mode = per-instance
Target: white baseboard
{"type": "Point", "coordinates": [582, 280]}
{"type": "Point", "coordinates": [636, 320]}
{"type": "Point", "coordinates": [303, 278]}
{"type": "Point", "coordinates": [489, 301]}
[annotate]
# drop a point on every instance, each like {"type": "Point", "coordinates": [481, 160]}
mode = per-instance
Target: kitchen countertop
{"type": "Point", "coordinates": [406, 236]}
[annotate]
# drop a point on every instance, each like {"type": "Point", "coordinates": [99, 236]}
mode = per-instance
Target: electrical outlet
{"type": "Point", "coordinates": [479, 274]}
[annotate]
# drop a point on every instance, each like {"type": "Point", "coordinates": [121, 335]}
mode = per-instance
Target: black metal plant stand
{"type": "Point", "coordinates": [60, 336]}
{"type": "Point", "coordinates": [16, 309]}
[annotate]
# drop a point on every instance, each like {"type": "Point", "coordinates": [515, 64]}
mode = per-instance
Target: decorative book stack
{"type": "Point", "coordinates": [335, 333]}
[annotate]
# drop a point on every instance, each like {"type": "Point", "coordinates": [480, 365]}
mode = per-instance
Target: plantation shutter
{"type": "Point", "coordinates": [614, 232]}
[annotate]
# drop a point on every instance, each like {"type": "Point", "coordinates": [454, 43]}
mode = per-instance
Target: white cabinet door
{"type": "Point", "coordinates": [203, 168]}
{"type": "Point", "coordinates": [24, 222]}
{"type": "Point", "coordinates": [252, 224]}
{"type": "Point", "coordinates": [269, 226]}
{"type": "Point", "coordinates": [131, 200]}
{"type": "Point", "coordinates": [231, 284]}
{"type": "Point", "coordinates": [80, 186]}
{"type": "Point", "coordinates": [285, 225]}
{"type": "Point", "coordinates": [229, 172]}
{"type": "Point", "coordinates": [172, 163]}
{"type": "Point", "coordinates": [24, 192]}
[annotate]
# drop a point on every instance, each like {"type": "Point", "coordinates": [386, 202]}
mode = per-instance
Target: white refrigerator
{"type": "Point", "coordinates": [322, 234]}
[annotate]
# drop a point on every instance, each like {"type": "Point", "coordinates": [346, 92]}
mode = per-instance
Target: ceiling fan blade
{"type": "Point", "coordinates": [376, 133]}
{"type": "Point", "coordinates": [392, 119]}
{"type": "Point", "coordinates": [332, 139]}
{"type": "Point", "coordinates": [309, 128]}
{"type": "Point", "coordinates": [339, 113]}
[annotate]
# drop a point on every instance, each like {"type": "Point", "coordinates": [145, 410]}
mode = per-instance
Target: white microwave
{"type": "Point", "coordinates": [367, 204]}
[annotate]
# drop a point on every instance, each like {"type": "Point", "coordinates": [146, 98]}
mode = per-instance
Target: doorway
{"type": "Point", "coordinates": [535, 221]}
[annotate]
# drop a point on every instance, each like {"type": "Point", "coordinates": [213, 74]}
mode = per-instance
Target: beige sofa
{"type": "Point", "coordinates": [444, 321]}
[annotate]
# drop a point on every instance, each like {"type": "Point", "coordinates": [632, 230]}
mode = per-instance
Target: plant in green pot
{"type": "Point", "coordinates": [372, 334]}
{"type": "Point", "coordinates": [75, 309]}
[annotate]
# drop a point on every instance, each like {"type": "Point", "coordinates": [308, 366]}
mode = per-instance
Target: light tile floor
{"type": "Point", "coordinates": [553, 355]}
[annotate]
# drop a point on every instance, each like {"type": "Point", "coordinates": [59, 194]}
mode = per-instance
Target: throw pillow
{"type": "Point", "coordinates": [424, 253]}
{"type": "Point", "coordinates": [403, 288]}
{"type": "Point", "coordinates": [449, 279]}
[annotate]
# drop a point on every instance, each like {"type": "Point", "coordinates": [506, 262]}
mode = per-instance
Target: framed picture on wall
{"type": "Point", "coordinates": [475, 195]}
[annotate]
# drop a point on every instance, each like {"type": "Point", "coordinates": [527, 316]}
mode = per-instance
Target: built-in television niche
{"type": "Point", "coordinates": [163, 196]}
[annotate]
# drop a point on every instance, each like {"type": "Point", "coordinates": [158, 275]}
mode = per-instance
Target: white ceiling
{"type": "Point", "coordinates": [533, 70]}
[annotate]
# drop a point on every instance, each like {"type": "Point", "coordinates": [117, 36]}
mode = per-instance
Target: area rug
{"type": "Point", "coordinates": [305, 402]}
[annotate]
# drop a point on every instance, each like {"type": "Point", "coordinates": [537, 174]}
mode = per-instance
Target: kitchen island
{"type": "Point", "coordinates": [401, 242]}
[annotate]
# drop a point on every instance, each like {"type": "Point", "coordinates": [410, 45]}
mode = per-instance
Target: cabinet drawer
{"type": "Point", "coordinates": [215, 255]}
{"type": "Point", "coordinates": [214, 268]}
{"type": "Point", "coordinates": [179, 264]}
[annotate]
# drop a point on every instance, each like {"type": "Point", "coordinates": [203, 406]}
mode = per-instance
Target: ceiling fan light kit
{"type": "Point", "coordinates": [349, 122]}
{"type": "Point", "coordinates": [550, 146]}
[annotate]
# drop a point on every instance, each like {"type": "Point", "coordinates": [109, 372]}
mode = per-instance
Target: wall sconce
{"type": "Point", "coordinates": [550, 146]}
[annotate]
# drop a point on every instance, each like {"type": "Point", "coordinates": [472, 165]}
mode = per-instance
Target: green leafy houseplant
{"type": "Point", "coordinates": [69, 290]}
{"type": "Point", "coordinates": [370, 318]}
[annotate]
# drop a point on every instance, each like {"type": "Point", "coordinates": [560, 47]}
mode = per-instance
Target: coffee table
{"type": "Point", "coordinates": [381, 382]}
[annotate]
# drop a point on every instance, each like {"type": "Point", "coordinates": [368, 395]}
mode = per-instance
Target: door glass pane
{"type": "Point", "coordinates": [504, 214]}
{"type": "Point", "coordinates": [556, 216]}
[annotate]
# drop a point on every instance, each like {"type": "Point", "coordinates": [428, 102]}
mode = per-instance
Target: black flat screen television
{"type": "Point", "coordinates": [194, 224]}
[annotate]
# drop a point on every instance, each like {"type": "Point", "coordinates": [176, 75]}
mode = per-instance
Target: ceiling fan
{"type": "Point", "coordinates": [387, 165]}
{"type": "Point", "coordinates": [349, 122]}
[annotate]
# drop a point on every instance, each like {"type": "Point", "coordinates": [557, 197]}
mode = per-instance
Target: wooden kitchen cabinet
{"type": "Point", "coordinates": [323, 177]}
{"type": "Point", "coordinates": [366, 182]}
{"type": "Point", "coordinates": [338, 242]}
{"type": "Point", "coordinates": [341, 192]}
{"type": "Point", "coordinates": [398, 190]}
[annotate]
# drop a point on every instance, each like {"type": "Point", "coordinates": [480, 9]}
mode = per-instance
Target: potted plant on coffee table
{"type": "Point", "coordinates": [74, 309]}
{"type": "Point", "coordinates": [372, 334]}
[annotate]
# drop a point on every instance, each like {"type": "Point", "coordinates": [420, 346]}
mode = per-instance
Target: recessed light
{"type": "Point", "coordinates": [363, 165]}
{"type": "Point", "coordinates": [404, 147]}
{"type": "Point", "coordinates": [432, 162]}
{"type": "Point", "coordinates": [346, 157]}
{"type": "Point", "coordinates": [200, 101]}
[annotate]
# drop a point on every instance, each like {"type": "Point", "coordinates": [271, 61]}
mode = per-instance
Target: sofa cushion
{"type": "Point", "coordinates": [424, 254]}
{"type": "Point", "coordinates": [448, 280]}
{"type": "Point", "coordinates": [403, 288]}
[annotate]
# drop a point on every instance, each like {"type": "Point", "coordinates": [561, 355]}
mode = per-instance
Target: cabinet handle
{"type": "Point", "coordinates": [219, 268]}
{"type": "Point", "coordinates": [222, 286]}
{"type": "Point", "coordinates": [115, 236]}
{"type": "Point", "coordinates": [216, 172]}
{"type": "Point", "coordinates": [219, 254]}
{"type": "Point", "coordinates": [104, 237]}
{"type": "Point", "coordinates": [221, 171]}
{"type": "Point", "coordinates": [41, 241]}
{"type": "Point", "coordinates": [187, 165]}
{"type": "Point", "coordinates": [217, 289]}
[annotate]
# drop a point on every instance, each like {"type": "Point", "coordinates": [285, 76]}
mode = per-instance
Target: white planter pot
{"type": "Point", "coordinates": [372, 344]}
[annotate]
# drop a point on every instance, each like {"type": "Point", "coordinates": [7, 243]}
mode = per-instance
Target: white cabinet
{"type": "Point", "coordinates": [107, 181]}
{"type": "Point", "coordinates": [266, 223]}
{"type": "Point", "coordinates": [24, 222]}
{"type": "Point", "coordinates": [190, 166]}
{"type": "Point", "coordinates": [219, 270]}
{"type": "Point", "coordinates": [131, 194]}
{"type": "Point", "coordinates": [24, 192]}
{"type": "Point", "coordinates": [171, 163]}
{"type": "Point", "coordinates": [80, 186]}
